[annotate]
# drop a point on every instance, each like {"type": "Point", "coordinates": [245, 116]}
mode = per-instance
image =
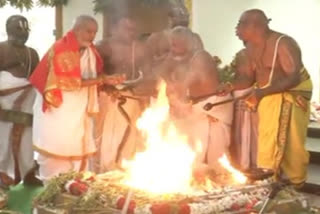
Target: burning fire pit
{"type": "Point", "coordinates": [106, 193]}
{"type": "Point", "coordinates": [159, 180]}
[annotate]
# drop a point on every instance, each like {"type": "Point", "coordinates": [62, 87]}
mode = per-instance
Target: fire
{"type": "Point", "coordinates": [166, 165]}
{"type": "Point", "coordinates": [237, 175]}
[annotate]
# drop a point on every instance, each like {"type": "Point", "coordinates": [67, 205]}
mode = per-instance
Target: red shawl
{"type": "Point", "coordinates": [60, 70]}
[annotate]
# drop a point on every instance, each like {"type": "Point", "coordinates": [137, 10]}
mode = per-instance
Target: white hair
{"type": "Point", "coordinates": [182, 31]}
{"type": "Point", "coordinates": [82, 20]}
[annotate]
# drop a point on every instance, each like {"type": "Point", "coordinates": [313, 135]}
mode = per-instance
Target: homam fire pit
{"type": "Point", "coordinates": [106, 193]}
{"type": "Point", "coordinates": [160, 180]}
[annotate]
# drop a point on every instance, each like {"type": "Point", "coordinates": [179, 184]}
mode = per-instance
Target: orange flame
{"type": "Point", "coordinates": [166, 165]}
{"type": "Point", "coordinates": [237, 175]}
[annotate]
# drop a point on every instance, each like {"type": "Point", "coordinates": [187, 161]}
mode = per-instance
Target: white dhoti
{"type": "Point", "coordinates": [63, 133]}
{"type": "Point", "coordinates": [63, 136]}
{"type": "Point", "coordinates": [113, 143]}
{"type": "Point", "coordinates": [213, 128]}
{"type": "Point", "coordinates": [245, 133]}
{"type": "Point", "coordinates": [20, 101]}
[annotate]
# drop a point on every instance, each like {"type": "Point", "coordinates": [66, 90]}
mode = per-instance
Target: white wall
{"type": "Point", "coordinates": [75, 8]}
{"type": "Point", "coordinates": [41, 21]}
{"type": "Point", "coordinates": [215, 21]}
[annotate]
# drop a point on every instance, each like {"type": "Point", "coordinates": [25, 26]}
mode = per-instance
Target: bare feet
{"type": "Point", "coordinates": [5, 181]}
{"type": "Point", "coordinates": [31, 178]}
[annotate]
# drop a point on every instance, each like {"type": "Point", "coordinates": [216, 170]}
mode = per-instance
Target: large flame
{"type": "Point", "coordinates": [166, 165]}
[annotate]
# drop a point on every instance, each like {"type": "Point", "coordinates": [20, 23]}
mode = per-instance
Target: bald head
{"type": "Point", "coordinates": [17, 29]}
{"type": "Point", "coordinates": [257, 17]}
{"type": "Point", "coordinates": [252, 24]}
{"type": "Point", "coordinates": [85, 28]}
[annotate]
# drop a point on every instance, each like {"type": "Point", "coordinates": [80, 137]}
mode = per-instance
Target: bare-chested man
{"type": "Point", "coordinates": [283, 93]}
{"type": "Point", "coordinates": [17, 62]}
{"type": "Point", "coordinates": [192, 72]}
{"type": "Point", "coordinates": [158, 42]}
{"type": "Point", "coordinates": [122, 53]}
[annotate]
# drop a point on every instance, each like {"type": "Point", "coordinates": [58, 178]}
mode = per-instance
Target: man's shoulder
{"type": "Point", "coordinates": [104, 47]}
{"type": "Point", "coordinates": [158, 35]}
{"type": "Point", "coordinates": [281, 37]}
{"type": "Point", "coordinates": [202, 55]}
{"type": "Point", "coordinates": [243, 53]}
{"type": "Point", "coordinates": [4, 44]}
{"type": "Point", "coordinates": [33, 51]}
{"type": "Point", "coordinates": [285, 42]}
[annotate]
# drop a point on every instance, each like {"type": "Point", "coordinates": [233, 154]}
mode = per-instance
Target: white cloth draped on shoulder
{"type": "Point", "coordinates": [67, 131]}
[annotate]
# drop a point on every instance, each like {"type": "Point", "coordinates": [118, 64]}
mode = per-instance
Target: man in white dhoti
{"type": "Point", "coordinates": [117, 135]}
{"type": "Point", "coordinates": [192, 73]}
{"type": "Point", "coordinates": [66, 80]}
{"type": "Point", "coordinates": [245, 123]}
{"type": "Point", "coordinates": [17, 62]}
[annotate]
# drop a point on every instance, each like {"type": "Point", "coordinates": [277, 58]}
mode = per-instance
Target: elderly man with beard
{"type": "Point", "coordinates": [191, 72]}
{"type": "Point", "coordinates": [17, 61]}
{"type": "Point", "coordinates": [282, 97]}
{"type": "Point", "coordinates": [159, 43]}
{"type": "Point", "coordinates": [66, 80]}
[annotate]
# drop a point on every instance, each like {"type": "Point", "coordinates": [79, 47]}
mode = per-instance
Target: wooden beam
{"type": "Point", "coordinates": [59, 22]}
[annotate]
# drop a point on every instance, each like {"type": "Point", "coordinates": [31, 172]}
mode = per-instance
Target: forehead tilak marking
{"type": "Point", "coordinates": [21, 24]}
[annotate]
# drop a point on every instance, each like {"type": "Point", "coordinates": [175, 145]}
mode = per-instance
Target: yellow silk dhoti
{"type": "Point", "coordinates": [283, 122]}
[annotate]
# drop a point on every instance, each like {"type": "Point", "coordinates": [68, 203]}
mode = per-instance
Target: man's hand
{"type": "Point", "coordinates": [113, 79]}
{"type": "Point", "coordinates": [254, 98]}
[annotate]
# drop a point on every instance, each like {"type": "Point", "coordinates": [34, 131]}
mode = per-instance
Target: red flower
{"type": "Point", "coordinates": [163, 208]}
{"type": "Point", "coordinates": [184, 209]}
{"type": "Point", "coordinates": [235, 206]}
{"type": "Point", "coordinates": [120, 204]}
{"type": "Point", "coordinates": [78, 188]}
{"type": "Point", "coordinates": [249, 205]}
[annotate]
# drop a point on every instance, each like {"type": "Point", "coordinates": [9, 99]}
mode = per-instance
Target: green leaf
{"type": "Point", "coordinates": [28, 4]}
{"type": "Point", "coordinates": [3, 3]}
